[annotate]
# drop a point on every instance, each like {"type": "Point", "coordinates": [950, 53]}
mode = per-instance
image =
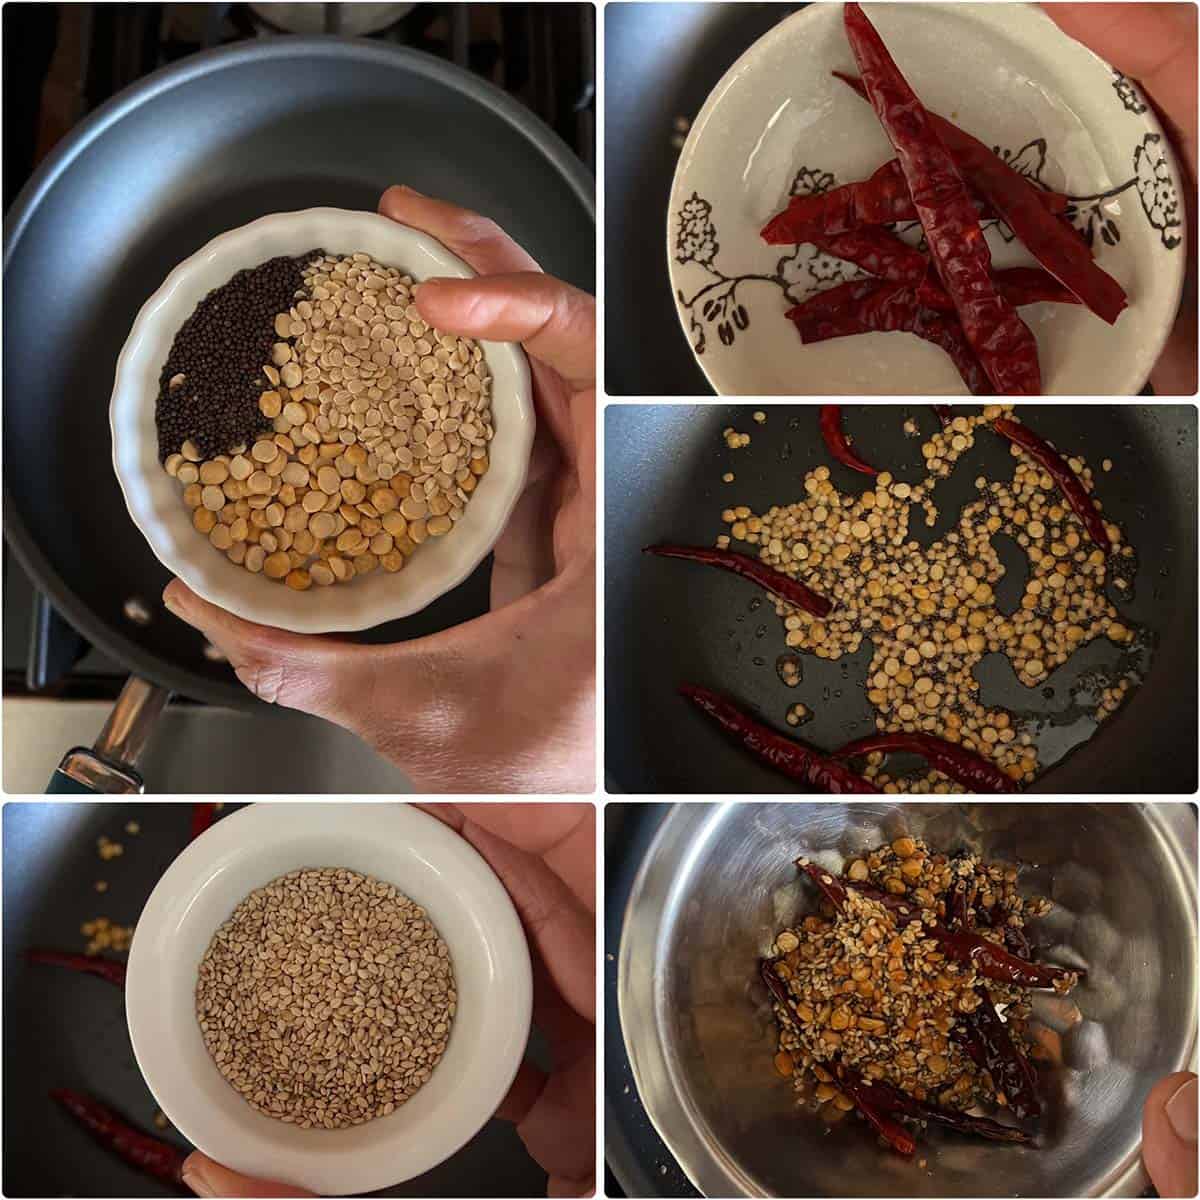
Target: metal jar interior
{"type": "Point", "coordinates": [719, 881]}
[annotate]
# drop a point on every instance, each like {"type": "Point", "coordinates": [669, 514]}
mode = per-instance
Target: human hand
{"type": "Point", "coordinates": [1169, 1135]}
{"type": "Point", "coordinates": [1155, 44]}
{"type": "Point", "coordinates": [544, 855]}
{"type": "Point", "coordinates": [506, 702]}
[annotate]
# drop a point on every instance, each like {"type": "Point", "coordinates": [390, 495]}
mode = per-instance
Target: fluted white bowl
{"type": "Point", "coordinates": [431, 865]}
{"type": "Point", "coordinates": [153, 497]}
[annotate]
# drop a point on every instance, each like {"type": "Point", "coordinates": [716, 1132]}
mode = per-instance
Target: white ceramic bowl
{"type": "Point", "coordinates": [778, 124]}
{"type": "Point", "coordinates": [425, 860]}
{"type": "Point", "coordinates": [154, 499]}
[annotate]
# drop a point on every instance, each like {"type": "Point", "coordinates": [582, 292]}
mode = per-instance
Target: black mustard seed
{"type": "Point", "coordinates": [220, 350]}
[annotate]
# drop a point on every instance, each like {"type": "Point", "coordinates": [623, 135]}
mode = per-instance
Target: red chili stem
{"type": "Point", "coordinates": [962, 765]}
{"type": "Point", "coordinates": [888, 1099]}
{"type": "Point", "coordinates": [797, 761]}
{"type": "Point", "coordinates": [837, 443]}
{"type": "Point", "coordinates": [987, 1039]}
{"type": "Point", "coordinates": [1059, 470]}
{"type": "Point", "coordinates": [868, 1103]}
{"type": "Point", "coordinates": [1052, 242]}
{"type": "Point", "coordinates": [776, 986]}
{"type": "Point", "coordinates": [149, 1154]}
{"type": "Point", "coordinates": [745, 567]}
{"type": "Point", "coordinates": [106, 968]}
{"type": "Point", "coordinates": [1000, 339]}
{"type": "Point", "coordinates": [203, 816]}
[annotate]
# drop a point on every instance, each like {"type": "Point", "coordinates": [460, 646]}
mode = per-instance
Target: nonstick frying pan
{"type": "Point", "coordinates": [68, 1030]}
{"type": "Point", "coordinates": [668, 623]}
{"type": "Point", "coordinates": [194, 149]}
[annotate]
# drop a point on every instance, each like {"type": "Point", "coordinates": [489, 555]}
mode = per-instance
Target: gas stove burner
{"type": "Point", "coordinates": [345, 20]}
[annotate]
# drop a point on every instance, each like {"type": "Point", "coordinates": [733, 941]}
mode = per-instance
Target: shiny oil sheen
{"type": "Point", "coordinates": [719, 881]}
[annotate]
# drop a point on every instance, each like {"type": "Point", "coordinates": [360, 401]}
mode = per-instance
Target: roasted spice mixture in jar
{"type": "Point", "coordinates": [871, 993]}
{"type": "Point", "coordinates": [320, 429]}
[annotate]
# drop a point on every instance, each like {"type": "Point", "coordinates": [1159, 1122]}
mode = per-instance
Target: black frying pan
{"type": "Point", "coordinates": [195, 149]}
{"type": "Point", "coordinates": [67, 1030]}
{"type": "Point", "coordinates": [670, 622]}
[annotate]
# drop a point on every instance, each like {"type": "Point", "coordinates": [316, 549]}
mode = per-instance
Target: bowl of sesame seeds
{"type": "Point", "coordinates": [297, 445]}
{"type": "Point", "coordinates": [336, 997]}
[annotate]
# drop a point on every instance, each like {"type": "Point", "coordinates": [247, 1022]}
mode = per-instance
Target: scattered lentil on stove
{"type": "Point", "coordinates": [326, 999]}
{"type": "Point", "coordinates": [104, 934]}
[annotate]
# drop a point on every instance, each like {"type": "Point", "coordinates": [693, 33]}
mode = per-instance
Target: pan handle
{"type": "Point", "coordinates": [109, 767]}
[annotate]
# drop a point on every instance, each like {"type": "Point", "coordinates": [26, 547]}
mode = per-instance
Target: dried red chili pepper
{"type": "Point", "coordinates": [989, 959]}
{"type": "Point", "coordinates": [882, 304]}
{"type": "Point", "coordinates": [793, 759]}
{"type": "Point", "coordinates": [944, 413]}
{"type": "Point", "coordinates": [203, 816]}
{"type": "Point", "coordinates": [1075, 494]}
{"type": "Point", "coordinates": [742, 565]}
{"type": "Point", "coordinates": [832, 888]}
{"type": "Point", "coordinates": [1052, 242]}
{"type": "Point", "coordinates": [882, 307]}
{"type": "Point", "coordinates": [868, 1103]}
{"type": "Point", "coordinates": [881, 199]}
{"type": "Point", "coordinates": [904, 912]}
{"type": "Point", "coordinates": [836, 442]}
{"type": "Point", "coordinates": [1018, 285]}
{"type": "Point", "coordinates": [962, 765]}
{"type": "Point", "coordinates": [888, 1099]}
{"type": "Point", "coordinates": [994, 962]}
{"type": "Point", "coordinates": [106, 968]}
{"type": "Point", "coordinates": [149, 1154]}
{"type": "Point", "coordinates": [879, 252]}
{"type": "Point", "coordinates": [985, 1037]}
{"type": "Point", "coordinates": [1000, 339]}
{"type": "Point", "coordinates": [883, 1099]}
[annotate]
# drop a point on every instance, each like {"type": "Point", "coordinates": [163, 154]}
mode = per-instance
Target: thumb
{"type": "Point", "coordinates": [1169, 1135]}
{"type": "Point", "coordinates": [317, 675]}
{"type": "Point", "coordinates": [555, 322]}
{"type": "Point", "coordinates": [1155, 43]}
{"type": "Point", "coordinates": [208, 1178]}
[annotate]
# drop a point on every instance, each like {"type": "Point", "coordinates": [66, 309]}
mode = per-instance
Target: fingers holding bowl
{"type": "Point", "coordinates": [476, 239]}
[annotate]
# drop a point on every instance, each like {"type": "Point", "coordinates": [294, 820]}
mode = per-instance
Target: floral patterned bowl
{"type": "Point", "coordinates": [778, 124]}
